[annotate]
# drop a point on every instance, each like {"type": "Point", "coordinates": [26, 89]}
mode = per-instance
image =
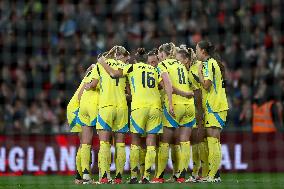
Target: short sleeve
{"type": "Point", "coordinates": [207, 71]}
{"type": "Point", "coordinates": [127, 69]}
{"type": "Point", "coordinates": [95, 74]}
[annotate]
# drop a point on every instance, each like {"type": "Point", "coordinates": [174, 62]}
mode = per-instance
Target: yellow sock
{"type": "Point", "coordinates": [142, 155]}
{"type": "Point", "coordinates": [104, 157]}
{"type": "Point", "coordinates": [120, 158]}
{"type": "Point", "coordinates": [149, 160]}
{"type": "Point", "coordinates": [214, 157]}
{"type": "Point", "coordinates": [163, 156]}
{"type": "Point", "coordinates": [109, 159]}
{"type": "Point", "coordinates": [134, 160]}
{"type": "Point", "coordinates": [185, 157]}
{"type": "Point", "coordinates": [85, 158]}
{"type": "Point", "coordinates": [203, 150]}
{"type": "Point", "coordinates": [175, 154]}
{"type": "Point", "coordinates": [195, 159]}
{"type": "Point", "coordinates": [78, 163]}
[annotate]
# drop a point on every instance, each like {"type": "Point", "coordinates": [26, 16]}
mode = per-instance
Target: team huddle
{"type": "Point", "coordinates": [178, 100]}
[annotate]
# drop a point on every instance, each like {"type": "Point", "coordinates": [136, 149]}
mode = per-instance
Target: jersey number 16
{"type": "Point", "coordinates": [150, 79]}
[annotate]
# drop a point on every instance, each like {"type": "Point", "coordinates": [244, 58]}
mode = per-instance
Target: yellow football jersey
{"type": "Point", "coordinates": [195, 83]}
{"type": "Point", "coordinates": [216, 95]}
{"type": "Point", "coordinates": [112, 90]}
{"type": "Point", "coordinates": [179, 77]}
{"type": "Point", "coordinates": [86, 79]}
{"type": "Point", "coordinates": [144, 80]}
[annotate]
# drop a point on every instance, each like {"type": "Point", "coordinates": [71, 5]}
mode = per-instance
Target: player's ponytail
{"type": "Point", "coordinates": [209, 48]}
{"type": "Point", "coordinates": [141, 55]}
{"type": "Point", "coordinates": [186, 52]}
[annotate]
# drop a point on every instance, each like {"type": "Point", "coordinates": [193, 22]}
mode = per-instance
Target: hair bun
{"type": "Point", "coordinates": [141, 51]}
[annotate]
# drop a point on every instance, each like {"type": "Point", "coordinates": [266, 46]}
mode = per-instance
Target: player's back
{"type": "Point", "coordinates": [179, 77]}
{"type": "Point", "coordinates": [112, 90]}
{"type": "Point", "coordinates": [144, 80]}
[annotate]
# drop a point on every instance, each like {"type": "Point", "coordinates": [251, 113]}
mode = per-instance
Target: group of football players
{"type": "Point", "coordinates": [178, 101]}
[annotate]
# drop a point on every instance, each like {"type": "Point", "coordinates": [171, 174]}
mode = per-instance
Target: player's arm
{"type": "Point", "coordinates": [90, 68]}
{"type": "Point", "coordinates": [198, 106]}
{"type": "Point", "coordinates": [169, 90]}
{"type": "Point", "coordinates": [128, 92]}
{"type": "Point", "coordinates": [182, 93]}
{"type": "Point", "coordinates": [112, 72]}
{"type": "Point", "coordinates": [91, 85]}
{"type": "Point", "coordinates": [204, 79]}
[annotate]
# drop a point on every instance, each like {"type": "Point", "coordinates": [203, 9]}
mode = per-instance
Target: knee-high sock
{"type": "Point", "coordinates": [163, 156]}
{"type": "Point", "coordinates": [142, 155]}
{"type": "Point", "coordinates": [203, 150]}
{"type": "Point", "coordinates": [78, 163]}
{"type": "Point", "coordinates": [175, 154]}
{"type": "Point", "coordinates": [120, 158]}
{"type": "Point", "coordinates": [185, 158]}
{"type": "Point", "coordinates": [85, 158]}
{"type": "Point", "coordinates": [214, 157]}
{"type": "Point", "coordinates": [149, 160]}
{"type": "Point", "coordinates": [195, 159]}
{"type": "Point", "coordinates": [134, 160]}
{"type": "Point", "coordinates": [104, 156]}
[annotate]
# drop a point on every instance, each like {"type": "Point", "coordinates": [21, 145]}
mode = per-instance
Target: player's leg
{"type": "Point", "coordinates": [184, 134]}
{"type": "Point", "coordinates": [79, 175]}
{"type": "Point", "coordinates": [216, 121]}
{"type": "Point", "coordinates": [153, 128]}
{"type": "Point", "coordinates": [137, 128]}
{"type": "Point", "coordinates": [187, 122]}
{"type": "Point", "coordinates": [169, 126]}
{"type": "Point", "coordinates": [120, 128]}
{"type": "Point", "coordinates": [163, 153]}
{"type": "Point", "coordinates": [203, 151]}
{"type": "Point", "coordinates": [104, 129]}
{"type": "Point", "coordinates": [195, 154]}
{"type": "Point", "coordinates": [142, 155]}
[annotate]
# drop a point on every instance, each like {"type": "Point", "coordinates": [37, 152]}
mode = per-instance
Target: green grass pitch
{"type": "Point", "coordinates": [240, 180]}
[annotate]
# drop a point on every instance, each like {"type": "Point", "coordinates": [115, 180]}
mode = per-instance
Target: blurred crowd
{"type": "Point", "coordinates": [47, 45]}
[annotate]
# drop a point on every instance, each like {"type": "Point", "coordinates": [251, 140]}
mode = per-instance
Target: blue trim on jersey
{"type": "Point", "coordinates": [206, 69]}
{"type": "Point", "coordinates": [132, 82]}
{"type": "Point", "coordinates": [94, 122]}
{"type": "Point", "coordinates": [190, 124]}
{"type": "Point", "coordinates": [217, 116]}
{"type": "Point", "coordinates": [171, 120]}
{"type": "Point", "coordinates": [80, 122]}
{"type": "Point", "coordinates": [136, 126]}
{"type": "Point", "coordinates": [156, 129]}
{"type": "Point", "coordinates": [104, 124]}
{"type": "Point", "coordinates": [124, 129]}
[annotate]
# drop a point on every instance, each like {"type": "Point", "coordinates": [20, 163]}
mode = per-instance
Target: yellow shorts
{"type": "Point", "coordinates": [215, 119]}
{"type": "Point", "coordinates": [146, 120]}
{"type": "Point", "coordinates": [185, 116]}
{"type": "Point", "coordinates": [88, 110]}
{"type": "Point", "coordinates": [112, 118]}
{"type": "Point", "coordinates": [72, 117]}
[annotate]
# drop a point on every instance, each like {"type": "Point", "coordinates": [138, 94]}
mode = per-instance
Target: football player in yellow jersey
{"type": "Point", "coordinates": [87, 115]}
{"type": "Point", "coordinates": [113, 113]}
{"type": "Point", "coordinates": [182, 115]}
{"type": "Point", "coordinates": [146, 112]}
{"type": "Point", "coordinates": [198, 134]}
{"type": "Point", "coordinates": [212, 78]}
{"type": "Point", "coordinates": [75, 123]}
